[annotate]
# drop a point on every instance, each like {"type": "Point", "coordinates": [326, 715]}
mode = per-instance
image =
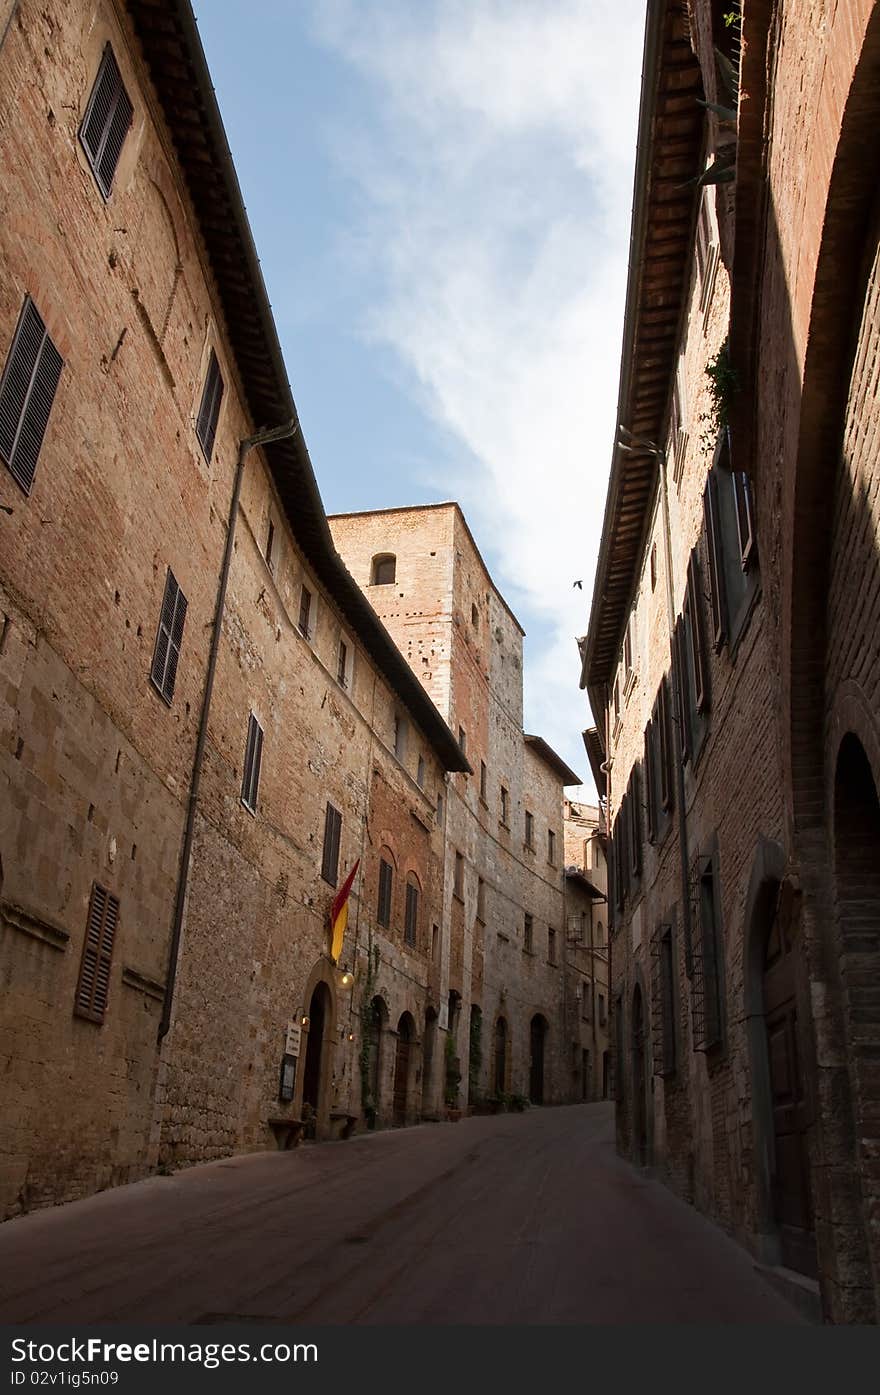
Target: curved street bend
{"type": "Point", "coordinates": [526, 1218]}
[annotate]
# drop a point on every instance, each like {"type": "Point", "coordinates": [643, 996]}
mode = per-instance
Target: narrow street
{"type": "Point", "coordinates": [515, 1219]}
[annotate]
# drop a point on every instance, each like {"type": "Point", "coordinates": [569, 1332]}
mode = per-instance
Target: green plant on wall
{"type": "Point", "coordinates": [475, 1053]}
{"type": "Point", "coordinates": [723, 386]}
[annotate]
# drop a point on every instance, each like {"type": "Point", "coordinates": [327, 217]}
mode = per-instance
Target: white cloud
{"type": "Point", "coordinates": [496, 180]}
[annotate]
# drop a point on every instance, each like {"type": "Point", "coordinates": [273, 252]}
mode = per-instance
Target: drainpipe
{"type": "Point", "coordinates": [262, 438]}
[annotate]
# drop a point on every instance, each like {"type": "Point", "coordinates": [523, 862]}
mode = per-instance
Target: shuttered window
{"type": "Point", "coordinates": [386, 882]}
{"type": "Point", "coordinates": [715, 543]}
{"type": "Point", "coordinates": [27, 391]}
{"type": "Point", "coordinates": [694, 616]}
{"type": "Point", "coordinates": [169, 638]}
{"type": "Point", "coordinates": [332, 833]}
{"type": "Point", "coordinates": [411, 922]}
{"type": "Point", "coordinates": [305, 611]}
{"type": "Point", "coordinates": [253, 759]}
{"type": "Point", "coordinates": [682, 684]}
{"type": "Point", "coordinates": [634, 805]}
{"type": "Point", "coordinates": [664, 748]}
{"type": "Point", "coordinates": [651, 782]}
{"type": "Point", "coordinates": [209, 410]}
{"type": "Point", "coordinates": [106, 122]}
{"type": "Point", "coordinates": [745, 523]}
{"type": "Point", "coordinates": [93, 987]}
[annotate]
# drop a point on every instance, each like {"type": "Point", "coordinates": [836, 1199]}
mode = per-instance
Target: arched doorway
{"type": "Point", "coordinates": [405, 1036]}
{"type": "Point", "coordinates": [317, 1042]}
{"type": "Point", "coordinates": [499, 1065]}
{"type": "Point", "coordinates": [639, 1079]}
{"type": "Point", "coordinates": [789, 1172]}
{"type": "Point", "coordinates": [537, 1044]}
{"type": "Point", "coordinates": [429, 1043]}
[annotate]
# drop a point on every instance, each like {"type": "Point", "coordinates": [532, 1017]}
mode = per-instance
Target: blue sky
{"type": "Point", "coordinates": [440, 195]}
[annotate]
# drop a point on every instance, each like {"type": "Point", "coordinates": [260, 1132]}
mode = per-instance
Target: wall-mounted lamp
{"type": "Point", "coordinates": [304, 1020]}
{"type": "Point", "coordinates": [346, 978]}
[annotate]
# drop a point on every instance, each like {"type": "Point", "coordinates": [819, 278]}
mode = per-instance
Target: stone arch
{"type": "Point", "coordinates": [404, 1068]}
{"type": "Point", "coordinates": [429, 1059]}
{"type": "Point", "coordinates": [383, 569]}
{"type": "Point", "coordinates": [317, 1048]}
{"type": "Point", "coordinates": [375, 1028]}
{"type": "Point", "coordinates": [501, 1047]}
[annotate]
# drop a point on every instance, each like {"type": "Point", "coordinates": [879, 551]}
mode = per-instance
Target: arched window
{"type": "Point", "coordinates": [411, 922]}
{"type": "Point", "coordinates": [386, 886]}
{"type": "Point", "coordinates": [384, 569]}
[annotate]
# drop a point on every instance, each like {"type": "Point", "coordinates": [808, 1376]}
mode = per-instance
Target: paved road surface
{"type": "Point", "coordinates": [509, 1219]}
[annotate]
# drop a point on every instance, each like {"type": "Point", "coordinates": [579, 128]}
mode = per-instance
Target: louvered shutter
{"type": "Point", "coordinates": [93, 988]}
{"type": "Point", "coordinates": [209, 410]}
{"type": "Point", "coordinates": [682, 682]}
{"type": "Point", "coordinates": [651, 777]}
{"type": "Point", "coordinates": [635, 823]}
{"type": "Point", "coordinates": [383, 913]}
{"type": "Point", "coordinates": [106, 122]}
{"type": "Point", "coordinates": [665, 748]}
{"type": "Point", "coordinates": [715, 545]}
{"type": "Point", "coordinates": [27, 391]}
{"type": "Point", "coordinates": [332, 829]}
{"type": "Point", "coordinates": [253, 756]}
{"type": "Point", "coordinates": [412, 913]}
{"type": "Point", "coordinates": [698, 648]}
{"type": "Point", "coordinates": [169, 638]}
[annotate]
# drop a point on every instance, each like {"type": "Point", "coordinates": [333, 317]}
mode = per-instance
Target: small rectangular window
{"type": "Point", "coordinates": [93, 985]}
{"type": "Point", "coordinates": [528, 932]}
{"type": "Point", "coordinates": [435, 943]}
{"type": "Point", "coordinates": [505, 811]}
{"type": "Point", "coordinates": [106, 122]}
{"type": "Point", "coordinates": [332, 834]}
{"type": "Point", "coordinates": [484, 780]}
{"type": "Point", "coordinates": [551, 945]}
{"type": "Point", "coordinates": [27, 391]}
{"type": "Point", "coordinates": [399, 736]}
{"type": "Point", "coordinates": [342, 664]}
{"type": "Point", "coordinates": [481, 900]}
{"type": "Point", "coordinates": [458, 882]}
{"type": "Point", "coordinates": [411, 922]}
{"type": "Point", "coordinates": [209, 408]}
{"type": "Point", "coordinates": [551, 847]}
{"type": "Point", "coordinates": [386, 882]}
{"type": "Point", "coordinates": [169, 637]}
{"type": "Point", "coordinates": [305, 611]}
{"type": "Point", "coordinates": [253, 759]}
{"type": "Point", "coordinates": [530, 830]}
{"type": "Point", "coordinates": [420, 772]}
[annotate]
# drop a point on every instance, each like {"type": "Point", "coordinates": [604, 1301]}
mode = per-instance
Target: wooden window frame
{"type": "Point", "coordinates": [209, 407]}
{"type": "Point", "coordinates": [305, 612]}
{"type": "Point", "coordinates": [331, 845]}
{"type": "Point", "coordinates": [28, 388]}
{"type": "Point", "coordinates": [114, 125]}
{"type": "Point", "coordinates": [253, 764]}
{"type": "Point", "coordinates": [169, 639]}
{"type": "Point", "coordinates": [744, 513]}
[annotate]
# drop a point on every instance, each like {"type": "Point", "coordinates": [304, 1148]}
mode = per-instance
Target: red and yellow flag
{"type": "Point", "coordinates": [339, 914]}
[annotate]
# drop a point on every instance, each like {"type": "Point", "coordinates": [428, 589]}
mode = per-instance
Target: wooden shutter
{"type": "Point", "coordinates": [27, 391]}
{"type": "Point", "coordinates": [635, 823]}
{"type": "Point", "coordinates": [386, 881]}
{"type": "Point", "coordinates": [209, 411]}
{"type": "Point", "coordinates": [664, 751]}
{"type": "Point", "coordinates": [253, 757]}
{"type": "Point", "coordinates": [745, 523]}
{"type": "Point", "coordinates": [106, 122]}
{"type": "Point", "coordinates": [412, 913]}
{"type": "Point", "coordinates": [651, 778]}
{"type": "Point", "coordinates": [169, 638]}
{"type": "Point", "coordinates": [715, 544]}
{"type": "Point", "coordinates": [682, 684]}
{"type": "Point", "coordinates": [332, 831]}
{"type": "Point", "coordinates": [93, 987]}
{"type": "Point", "coordinates": [305, 607]}
{"type": "Point", "coordinates": [695, 628]}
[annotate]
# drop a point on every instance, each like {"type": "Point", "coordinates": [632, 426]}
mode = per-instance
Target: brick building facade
{"type": "Point", "coordinates": [730, 659]}
{"type": "Point", "coordinates": [206, 725]}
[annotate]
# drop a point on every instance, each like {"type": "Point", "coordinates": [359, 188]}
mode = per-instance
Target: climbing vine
{"type": "Point", "coordinates": [723, 386]}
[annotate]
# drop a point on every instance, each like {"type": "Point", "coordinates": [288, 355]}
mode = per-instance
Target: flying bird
{"type": "Point", "coordinates": [578, 584]}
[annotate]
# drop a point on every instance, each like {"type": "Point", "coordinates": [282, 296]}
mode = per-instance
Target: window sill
{"type": "Point", "coordinates": [458, 896]}
{"type": "Point", "coordinates": [244, 804]}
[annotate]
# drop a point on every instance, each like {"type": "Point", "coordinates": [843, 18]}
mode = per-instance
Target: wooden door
{"type": "Point", "coordinates": [536, 1071]}
{"type": "Point", "coordinates": [790, 1176]}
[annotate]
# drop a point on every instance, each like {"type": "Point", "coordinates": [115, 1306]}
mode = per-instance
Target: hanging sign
{"type": "Point", "coordinates": [293, 1039]}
